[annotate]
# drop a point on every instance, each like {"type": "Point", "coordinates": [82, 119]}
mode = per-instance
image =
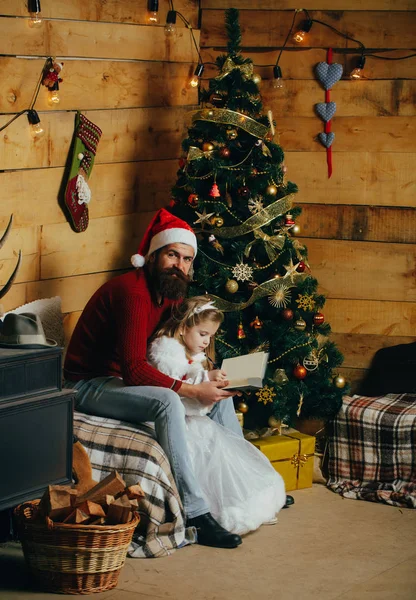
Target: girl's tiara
{"type": "Point", "coordinates": [208, 306]}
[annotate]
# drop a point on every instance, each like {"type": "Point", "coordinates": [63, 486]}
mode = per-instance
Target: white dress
{"type": "Point", "coordinates": [242, 489]}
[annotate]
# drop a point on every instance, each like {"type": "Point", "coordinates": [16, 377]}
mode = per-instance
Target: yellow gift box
{"type": "Point", "coordinates": [291, 454]}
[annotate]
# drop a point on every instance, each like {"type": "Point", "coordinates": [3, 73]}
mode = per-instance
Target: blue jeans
{"type": "Point", "coordinates": [109, 397]}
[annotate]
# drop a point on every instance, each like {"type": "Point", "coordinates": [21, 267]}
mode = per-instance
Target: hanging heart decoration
{"type": "Point", "coordinates": [327, 73]}
{"type": "Point", "coordinates": [326, 110]}
{"type": "Point", "coordinates": [326, 139]}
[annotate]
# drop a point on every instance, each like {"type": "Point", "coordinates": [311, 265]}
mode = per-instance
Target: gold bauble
{"type": "Point", "coordinates": [257, 78]}
{"type": "Point", "coordinates": [271, 190]}
{"type": "Point", "coordinates": [339, 381]}
{"type": "Point", "coordinates": [219, 221]}
{"type": "Point", "coordinates": [300, 325]}
{"type": "Point", "coordinates": [207, 147]}
{"type": "Point", "coordinates": [242, 407]}
{"type": "Point", "coordinates": [295, 230]}
{"type": "Point", "coordinates": [273, 422]}
{"type": "Point", "coordinates": [231, 286]}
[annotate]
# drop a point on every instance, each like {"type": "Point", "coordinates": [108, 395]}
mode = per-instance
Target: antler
{"type": "Point", "coordinates": [8, 285]}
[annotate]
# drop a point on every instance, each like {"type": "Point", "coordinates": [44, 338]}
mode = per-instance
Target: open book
{"type": "Point", "coordinates": [245, 372]}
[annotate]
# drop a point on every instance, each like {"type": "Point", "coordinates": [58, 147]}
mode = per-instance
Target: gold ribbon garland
{"type": "Point", "coordinates": [231, 117]}
{"type": "Point", "coordinates": [263, 217]}
{"type": "Point", "coordinates": [260, 291]}
{"type": "Point", "coordinates": [229, 65]}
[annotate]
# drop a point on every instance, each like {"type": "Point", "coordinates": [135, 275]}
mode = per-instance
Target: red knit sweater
{"type": "Point", "coordinates": [111, 335]}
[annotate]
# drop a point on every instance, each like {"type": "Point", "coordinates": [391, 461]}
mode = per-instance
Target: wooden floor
{"type": "Point", "coordinates": [323, 548]}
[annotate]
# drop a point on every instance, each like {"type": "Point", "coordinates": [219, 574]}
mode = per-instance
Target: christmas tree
{"type": "Point", "coordinates": [231, 187]}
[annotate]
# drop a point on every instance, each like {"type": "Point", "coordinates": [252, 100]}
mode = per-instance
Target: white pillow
{"type": "Point", "coordinates": [49, 311]}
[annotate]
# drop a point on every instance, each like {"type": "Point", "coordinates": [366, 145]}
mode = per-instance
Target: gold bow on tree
{"type": "Point", "coordinates": [195, 153]}
{"type": "Point", "coordinates": [272, 243]}
{"type": "Point", "coordinates": [229, 65]}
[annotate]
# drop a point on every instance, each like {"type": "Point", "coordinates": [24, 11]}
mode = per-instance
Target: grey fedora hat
{"type": "Point", "coordinates": [23, 331]}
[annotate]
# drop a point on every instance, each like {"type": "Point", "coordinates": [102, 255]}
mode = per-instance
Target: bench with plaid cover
{"type": "Point", "coordinates": [136, 455]}
{"type": "Point", "coordinates": [372, 449]}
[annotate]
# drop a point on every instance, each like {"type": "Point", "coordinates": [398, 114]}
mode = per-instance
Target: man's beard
{"type": "Point", "coordinates": [169, 286]}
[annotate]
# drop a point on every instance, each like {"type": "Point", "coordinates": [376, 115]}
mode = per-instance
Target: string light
{"type": "Point", "coordinates": [53, 95]}
{"type": "Point", "coordinates": [35, 125]}
{"type": "Point", "coordinates": [33, 6]}
{"type": "Point", "coordinates": [170, 28]}
{"type": "Point", "coordinates": [356, 73]}
{"type": "Point", "coordinates": [302, 34]}
{"type": "Point", "coordinates": [152, 12]}
{"type": "Point", "coordinates": [197, 74]}
{"type": "Point", "coordinates": [278, 82]}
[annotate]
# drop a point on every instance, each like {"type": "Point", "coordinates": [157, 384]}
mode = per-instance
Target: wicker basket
{"type": "Point", "coordinates": [73, 559]}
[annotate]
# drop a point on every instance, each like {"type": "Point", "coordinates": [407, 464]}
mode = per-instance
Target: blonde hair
{"type": "Point", "coordinates": [189, 314]}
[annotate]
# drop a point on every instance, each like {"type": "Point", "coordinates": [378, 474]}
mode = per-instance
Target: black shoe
{"type": "Point", "coordinates": [210, 533]}
{"type": "Point", "coordinates": [289, 501]}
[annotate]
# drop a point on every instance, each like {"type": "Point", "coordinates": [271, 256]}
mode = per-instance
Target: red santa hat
{"type": "Point", "coordinates": [163, 229]}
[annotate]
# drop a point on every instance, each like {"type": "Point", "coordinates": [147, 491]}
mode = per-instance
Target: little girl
{"type": "Point", "coordinates": [242, 489]}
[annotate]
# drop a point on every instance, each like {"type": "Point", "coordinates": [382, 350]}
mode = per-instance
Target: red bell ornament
{"type": "Point", "coordinates": [300, 372]}
{"type": "Point", "coordinates": [318, 318]}
{"type": "Point", "coordinates": [289, 221]}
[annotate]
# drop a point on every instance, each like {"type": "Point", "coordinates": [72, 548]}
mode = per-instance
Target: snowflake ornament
{"type": "Point", "coordinates": [242, 272]}
{"type": "Point", "coordinates": [265, 395]}
{"type": "Point", "coordinates": [280, 296]}
{"type": "Point", "coordinates": [305, 302]}
{"type": "Point", "coordinates": [255, 205]}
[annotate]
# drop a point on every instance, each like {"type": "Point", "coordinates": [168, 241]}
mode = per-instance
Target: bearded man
{"type": "Point", "coordinates": [106, 361]}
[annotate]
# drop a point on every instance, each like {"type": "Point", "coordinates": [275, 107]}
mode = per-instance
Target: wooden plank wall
{"type": "Point", "coordinates": [130, 80]}
{"type": "Point", "coordinates": [360, 225]}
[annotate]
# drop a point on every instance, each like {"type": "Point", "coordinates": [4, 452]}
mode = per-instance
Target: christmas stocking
{"type": "Point", "coordinates": [77, 191]}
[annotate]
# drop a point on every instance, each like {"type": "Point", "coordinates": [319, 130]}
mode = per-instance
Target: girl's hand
{"type": "Point", "coordinates": [217, 375]}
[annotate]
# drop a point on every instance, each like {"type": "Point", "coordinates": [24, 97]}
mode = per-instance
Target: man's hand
{"type": "Point", "coordinates": [217, 375]}
{"type": "Point", "coordinates": [207, 392]}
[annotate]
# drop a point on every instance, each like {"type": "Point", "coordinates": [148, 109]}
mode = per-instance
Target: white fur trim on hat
{"type": "Point", "coordinates": [174, 235]}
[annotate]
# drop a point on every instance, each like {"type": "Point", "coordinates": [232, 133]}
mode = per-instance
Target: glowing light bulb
{"type": "Point", "coordinates": [54, 94]}
{"type": "Point", "coordinates": [197, 74]}
{"type": "Point", "coordinates": [357, 72]}
{"type": "Point", "coordinates": [36, 129]}
{"type": "Point", "coordinates": [278, 82]}
{"type": "Point", "coordinates": [302, 34]}
{"type": "Point", "coordinates": [152, 8]}
{"type": "Point", "coordinates": [170, 28]}
{"type": "Point", "coordinates": [33, 7]}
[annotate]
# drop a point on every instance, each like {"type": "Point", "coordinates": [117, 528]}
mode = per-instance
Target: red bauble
{"type": "Point", "coordinates": [225, 152]}
{"type": "Point", "coordinates": [300, 266]}
{"type": "Point", "coordinates": [287, 314]}
{"type": "Point", "coordinates": [300, 372]}
{"type": "Point", "coordinates": [182, 162]}
{"type": "Point", "coordinates": [318, 318]}
{"type": "Point", "coordinates": [193, 199]}
{"type": "Point", "coordinates": [244, 191]}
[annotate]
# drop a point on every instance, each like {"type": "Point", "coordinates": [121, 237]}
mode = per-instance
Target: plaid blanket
{"type": "Point", "coordinates": [372, 449]}
{"type": "Point", "coordinates": [135, 454]}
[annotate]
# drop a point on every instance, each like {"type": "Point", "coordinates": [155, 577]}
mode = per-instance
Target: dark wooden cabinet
{"type": "Point", "coordinates": [35, 425]}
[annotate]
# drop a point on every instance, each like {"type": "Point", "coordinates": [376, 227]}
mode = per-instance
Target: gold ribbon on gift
{"type": "Point", "coordinates": [298, 460]}
{"type": "Point", "coordinates": [259, 292]}
{"type": "Point", "coordinates": [231, 117]}
{"type": "Point", "coordinates": [272, 243]}
{"type": "Point", "coordinates": [195, 153]}
{"type": "Point", "coordinates": [260, 219]}
{"type": "Point", "coordinates": [246, 69]}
